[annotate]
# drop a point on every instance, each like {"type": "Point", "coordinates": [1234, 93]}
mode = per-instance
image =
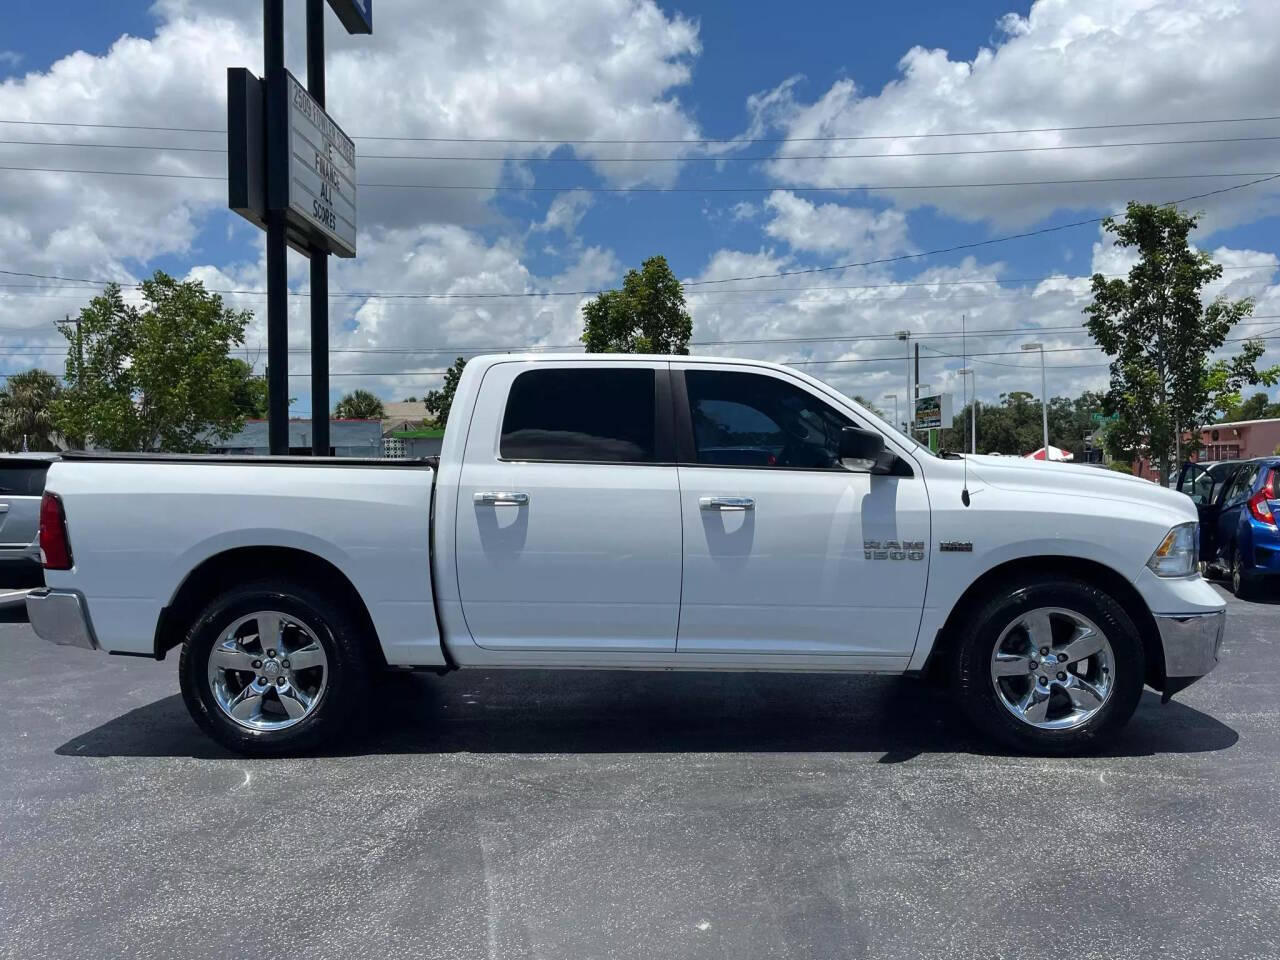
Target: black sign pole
{"type": "Point", "coordinates": [319, 258]}
{"type": "Point", "coordinates": [277, 275]}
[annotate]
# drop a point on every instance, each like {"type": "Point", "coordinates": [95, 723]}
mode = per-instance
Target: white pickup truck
{"type": "Point", "coordinates": [626, 512]}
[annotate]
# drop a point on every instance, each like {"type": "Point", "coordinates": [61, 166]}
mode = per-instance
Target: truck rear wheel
{"type": "Point", "coordinates": [1053, 666]}
{"type": "Point", "coordinates": [274, 667]}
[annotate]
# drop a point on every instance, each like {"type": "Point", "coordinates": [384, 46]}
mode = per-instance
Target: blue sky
{"type": "Point", "coordinates": [639, 71]}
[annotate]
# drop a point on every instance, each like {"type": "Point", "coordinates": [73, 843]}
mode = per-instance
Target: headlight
{"type": "Point", "coordinates": [1177, 554]}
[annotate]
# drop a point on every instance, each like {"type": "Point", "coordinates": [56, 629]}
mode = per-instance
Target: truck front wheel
{"type": "Point", "coordinates": [274, 667]}
{"type": "Point", "coordinates": [1053, 666]}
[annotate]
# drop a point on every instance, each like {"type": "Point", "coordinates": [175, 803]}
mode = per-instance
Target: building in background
{"type": "Point", "coordinates": [347, 438]}
{"type": "Point", "coordinates": [405, 415]}
{"type": "Point", "coordinates": [423, 442]}
{"type": "Point", "coordinates": [1236, 440]}
{"type": "Point", "coordinates": [1239, 440]}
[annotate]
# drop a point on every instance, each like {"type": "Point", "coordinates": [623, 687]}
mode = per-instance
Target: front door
{"type": "Point", "coordinates": [786, 551]}
{"type": "Point", "coordinates": [568, 512]}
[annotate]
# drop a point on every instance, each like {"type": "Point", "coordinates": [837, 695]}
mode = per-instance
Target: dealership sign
{"type": "Point", "coordinates": [933, 412]}
{"type": "Point", "coordinates": [318, 170]}
{"type": "Point", "coordinates": [356, 15]}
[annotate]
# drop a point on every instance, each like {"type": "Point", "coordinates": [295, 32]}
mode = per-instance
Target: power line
{"type": "Point", "coordinates": [723, 140]}
{"type": "Point", "coordinates": [680, 159]}
{"type": "Point", "coordinates": [1262, 319]}
{"type": "Point", "coordinates": [992, 353]}
{"type": "Point", "coordinates": [383, 295]}
{"type": "Point", "coordinates": [844, 266]}
{"type": "Point", "coordinates": [968, 246]}
{"type": "Point", "coordinates": [507, 188]}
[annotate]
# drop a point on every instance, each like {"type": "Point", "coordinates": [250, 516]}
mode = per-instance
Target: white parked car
{"type": "Point", "coordinates": [649, 513]}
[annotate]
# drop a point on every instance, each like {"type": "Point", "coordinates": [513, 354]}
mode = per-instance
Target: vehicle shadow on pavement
{"type": "Point", "coordinates": [519, 711]}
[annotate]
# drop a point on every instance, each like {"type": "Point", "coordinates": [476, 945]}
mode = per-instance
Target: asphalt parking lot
{"type": "Point", "coordinates": [619, 815]}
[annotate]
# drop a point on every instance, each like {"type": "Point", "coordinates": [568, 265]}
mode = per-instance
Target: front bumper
{"type": "Point", "coordinates": [60, 616]}
{"type": "Point", "coordinates": [1192, 643]}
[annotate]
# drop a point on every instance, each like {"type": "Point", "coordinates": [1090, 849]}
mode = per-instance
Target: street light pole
{"type": "Point", "coordinates": [973, 407]}
{"type": "Point", "coordinates": [905, 336]}
{"type": "Point", "coordinates": [1044, 395]}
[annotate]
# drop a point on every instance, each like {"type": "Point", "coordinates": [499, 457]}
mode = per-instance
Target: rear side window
{"type": "Point", "coordinates": [22, 481]}
{"type": "Point", "coordinates": [583, 415]}
{"type": "Point", "coordinates": [1241, 485]}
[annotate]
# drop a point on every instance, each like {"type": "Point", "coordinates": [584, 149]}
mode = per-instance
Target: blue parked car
{"type": "Point", "coordinates": [1238, 503]}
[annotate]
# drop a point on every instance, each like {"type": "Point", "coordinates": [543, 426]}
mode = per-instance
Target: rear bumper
{"type": "Point", "coordinates": [60, 616]}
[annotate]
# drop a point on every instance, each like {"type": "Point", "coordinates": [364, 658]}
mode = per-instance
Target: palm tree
{"type": "Point", "coordinates": [26, 421]}
{"type": "Point", "coordinates": [359, 405]}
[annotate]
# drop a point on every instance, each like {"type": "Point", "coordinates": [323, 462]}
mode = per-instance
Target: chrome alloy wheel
{"type": "Point", "coordinates": [1052, 668]}
{"type": "Point", "coordinates": [268, 671]}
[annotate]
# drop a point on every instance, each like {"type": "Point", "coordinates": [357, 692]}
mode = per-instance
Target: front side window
{"type": "Point", "coordinates": [580, 415]}
{"type": "Point", "coordinates": [754, 420]}
{"type": "Point", "coordinates": [1193, 477]}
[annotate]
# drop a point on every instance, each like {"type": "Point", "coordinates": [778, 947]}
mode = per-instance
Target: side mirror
{"type": "Point", "coordinates": [862, 451]}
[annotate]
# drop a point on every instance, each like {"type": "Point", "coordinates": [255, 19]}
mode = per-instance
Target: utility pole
{"type": "Point", "coordinates": [905, 336]}
{"type": "Point", "coordinates": [319, 260]}
{"type": "Point", "coordinates": [917, 386]}
{"type": "Point", "coordinates": [79, 368]}
{"type": "Point", "coordinates": [1044, 395]}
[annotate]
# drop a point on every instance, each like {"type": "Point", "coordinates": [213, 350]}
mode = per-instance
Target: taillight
{"type": "Point", "coordinates": [1258, 505]}
{"type": "Point", "coordinates": [55, 548]}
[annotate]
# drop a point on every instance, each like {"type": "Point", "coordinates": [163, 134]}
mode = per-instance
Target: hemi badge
{"type": "Point", "coordinates": [955, 546]}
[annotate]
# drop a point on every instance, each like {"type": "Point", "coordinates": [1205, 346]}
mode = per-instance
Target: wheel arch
{"type": "Point", "coordinates": [1099, 574]}
{"type": "Point", "coordinates": [243, 564]}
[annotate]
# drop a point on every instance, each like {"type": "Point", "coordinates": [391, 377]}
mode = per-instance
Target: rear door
{"type": "Point", "coordinates": [568, 514]}
{"type": "Point", "coordinates": [1233, 502]}
{"type": "Point", "coordinates": [786, 551]}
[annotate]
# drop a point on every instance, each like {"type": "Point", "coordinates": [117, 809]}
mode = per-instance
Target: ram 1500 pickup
{"type": "Point", "coordinates": [628, 512]}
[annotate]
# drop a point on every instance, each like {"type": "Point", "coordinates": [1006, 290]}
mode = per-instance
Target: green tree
{"type": "Point", "coordinates": [248, 391]}
{"type": "Point", "coordinates": [152, 375]}
{"type": "Point", "coordinates": [860, 399]}
{"type": "Point", "coordinates": [359, 405]}
{"type": "Point", "coordinates": [440, 402]}
{"type": "Point", "coordinates": [647, 315]}
{"type": "Point", "coordinates": [1160, 335]}
{"type": "Point", "coordinates": [1257, 407]}
{"type": "Point", "coordinates": [26, 411]}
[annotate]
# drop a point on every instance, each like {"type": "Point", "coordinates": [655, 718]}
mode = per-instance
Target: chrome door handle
{"type": "Point", "coordinates": [502, 498]}
{"type": "Point", "coordinates": [724, 504]}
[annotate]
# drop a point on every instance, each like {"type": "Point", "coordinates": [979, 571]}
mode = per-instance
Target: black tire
{"type": "Point", "coordinates": [340, 712]}
{"type": "Point", "coordinates": [976, 691]}
{"type": "Point", "coordinates": [1242, 585]}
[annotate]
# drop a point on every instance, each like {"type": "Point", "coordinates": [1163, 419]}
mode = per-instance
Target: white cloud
{"type": "Point", "coordinates": [865, 306]}
{"type": "Point", "coordinates": [565, 212]}
{"type": "Point", "coordinates": [1069, 62]}
{"type": "Point", "coordinates": [526, 69]}
{"type": "Point", "coordinates": [834, 228]}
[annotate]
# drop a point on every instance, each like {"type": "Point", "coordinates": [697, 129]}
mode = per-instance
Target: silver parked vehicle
{"type": "Point", "coordinates": [21, 487]}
